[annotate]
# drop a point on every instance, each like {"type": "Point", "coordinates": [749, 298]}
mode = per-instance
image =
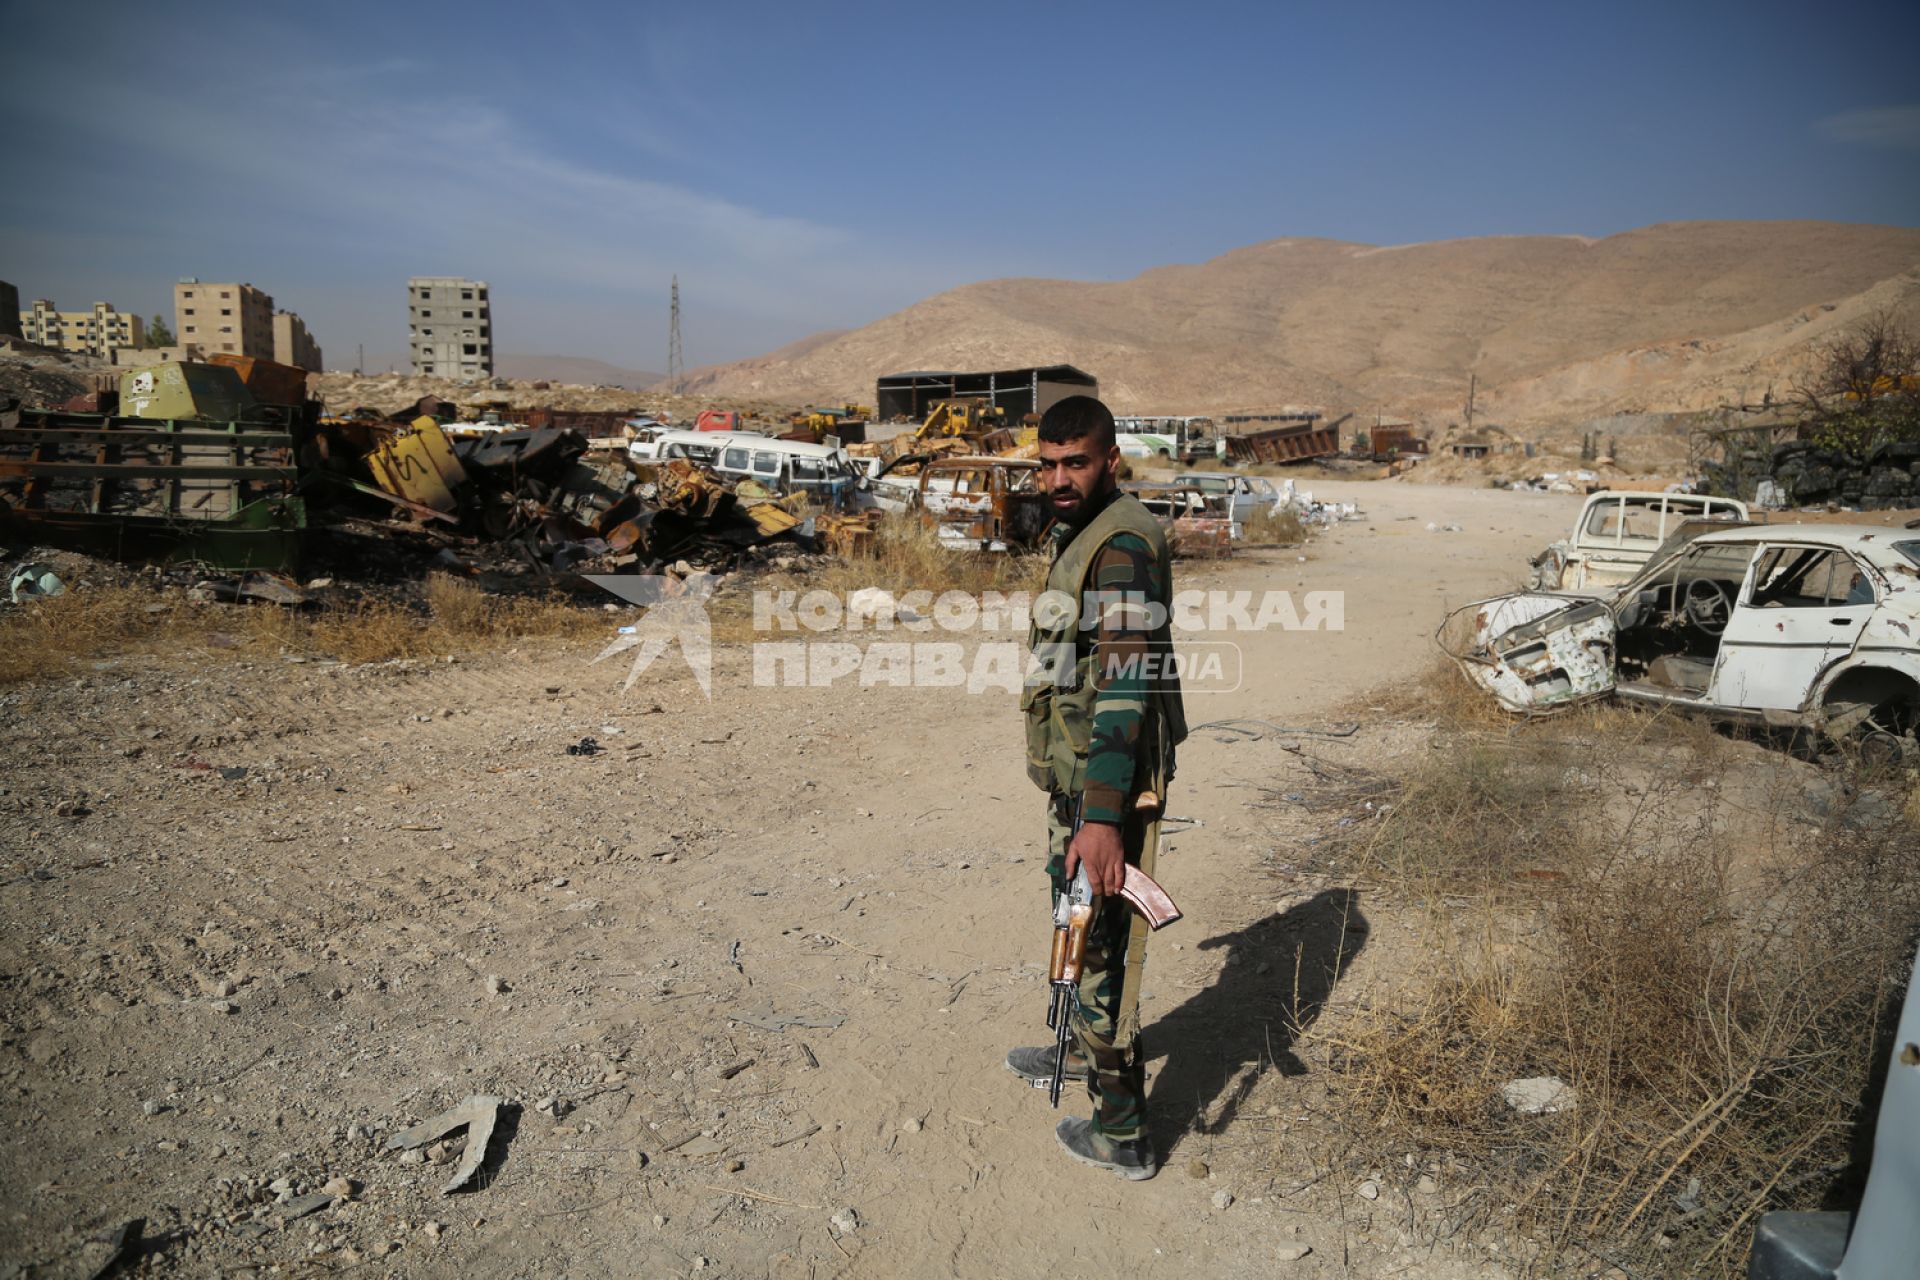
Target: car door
{"type": "Point", "coordinates": [1801, 609]}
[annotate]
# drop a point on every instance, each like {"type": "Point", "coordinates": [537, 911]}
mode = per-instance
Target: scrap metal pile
{"type": "Point", "coordinates": [229, 465]}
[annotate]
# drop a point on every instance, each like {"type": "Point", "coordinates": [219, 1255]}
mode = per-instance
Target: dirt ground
{"type": "Point", "coordinates": [760, 957]}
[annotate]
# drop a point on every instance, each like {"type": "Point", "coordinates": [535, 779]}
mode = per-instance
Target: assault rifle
{"type": "Point", "coordinates": [1073, 916]}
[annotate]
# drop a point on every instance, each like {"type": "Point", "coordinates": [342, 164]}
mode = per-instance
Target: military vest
{"type": "Point", "coordinates": [1058, 699]}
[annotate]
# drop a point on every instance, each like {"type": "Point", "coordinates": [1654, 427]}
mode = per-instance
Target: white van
{"type": "Point", "coordinates": [781, 466]}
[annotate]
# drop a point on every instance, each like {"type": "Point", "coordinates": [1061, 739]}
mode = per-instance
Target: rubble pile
{"type": "Point", "coordinates": [392, 393]}
{"type": "Point", "coordinates": [36, 375]}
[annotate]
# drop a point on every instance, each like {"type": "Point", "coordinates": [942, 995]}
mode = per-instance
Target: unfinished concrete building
{"type": "Point", "coordinates": [450, 327]}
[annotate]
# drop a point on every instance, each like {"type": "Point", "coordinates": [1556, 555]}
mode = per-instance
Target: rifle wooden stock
{"type": "Point", "coordinates": [1148, 898]}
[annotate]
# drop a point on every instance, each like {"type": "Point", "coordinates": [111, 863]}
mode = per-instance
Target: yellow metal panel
{"type": "Point", "coordinates": [419, 466]}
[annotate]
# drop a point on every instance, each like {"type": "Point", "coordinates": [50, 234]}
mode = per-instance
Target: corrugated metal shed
{"type": "Point", "coordinates": [1018, 391]}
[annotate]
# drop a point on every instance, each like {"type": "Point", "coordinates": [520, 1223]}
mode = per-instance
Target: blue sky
{"type": "Point", "coordinates": [811, 166]}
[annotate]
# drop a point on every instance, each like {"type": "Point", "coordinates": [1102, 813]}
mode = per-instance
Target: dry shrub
{"type": "Point", "coordinates": [1269, 528]}
{"type": "Point", "coordinates": [1477, 813]}
{"type": "Point", "coordinates": [1718, 1007]}
{"type": "Point", "coordinates": [456, 617]}
{"type": "Point", "coordinates": [1440, 693]}
{"type": "Point", "coordinates": [46, 637]}
{"type": "Point", "coordinates": [905, 556]}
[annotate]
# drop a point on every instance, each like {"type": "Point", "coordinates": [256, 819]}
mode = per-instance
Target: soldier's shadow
{"type": "Point", "coordinates": [1278, 974]}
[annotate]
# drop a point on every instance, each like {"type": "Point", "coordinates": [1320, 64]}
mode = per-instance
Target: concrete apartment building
{"type": "Point", "coordinates": [450, 327]}
{"type": "Point", "coordinates": [99, 332]}
{"type": "Point", "coordinates": [9, 311]}
{"type": "Point", "coordinates": [236, 318]}
{"type": "Point", "coordinates": [292, 344]}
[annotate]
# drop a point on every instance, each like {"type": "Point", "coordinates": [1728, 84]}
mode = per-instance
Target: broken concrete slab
{"type": "Point", "coordinates": [301, 1206]}
{"type": "Point", "coordinates": [477, 1115]}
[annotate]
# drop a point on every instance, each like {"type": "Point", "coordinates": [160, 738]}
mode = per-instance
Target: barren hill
{"type": "Point", "coordinates": [573, 370]}
{"type": "Point", "coordinates": [1557, 328]}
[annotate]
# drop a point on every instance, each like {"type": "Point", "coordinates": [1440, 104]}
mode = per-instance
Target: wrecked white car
{"type": "Point", "coordinates": [1619, 531]}
{"type": "Point", "coordinates": [1814, 628]}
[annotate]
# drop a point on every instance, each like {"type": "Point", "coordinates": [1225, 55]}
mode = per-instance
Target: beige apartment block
{"type": "Point", "coordinates": [236, 318]}
{"type": "Point", "coordinates": [450, 327]}
{"type": "Point", "coordinates": [99, 332]}
{"type": "Point", "coordinates": [292, 344]}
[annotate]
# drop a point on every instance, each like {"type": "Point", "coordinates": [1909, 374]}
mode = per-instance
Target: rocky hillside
{"type": "Point", "coordinates": [1556, 328]}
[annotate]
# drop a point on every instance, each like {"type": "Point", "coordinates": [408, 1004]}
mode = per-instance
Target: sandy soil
{"type": "Point", "coordinates": [258, 917]}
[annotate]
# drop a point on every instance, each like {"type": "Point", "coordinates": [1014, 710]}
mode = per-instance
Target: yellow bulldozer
{"type": "Point", "coordinates": [848, 423]}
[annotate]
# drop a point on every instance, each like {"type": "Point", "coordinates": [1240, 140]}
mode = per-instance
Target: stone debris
{"type": "Point", "coordinates": [1292, 1252]}
{"type": "Point", "coordinates": [846, 1222]}
{"type": "Point", "coordinates": [477, 1115]}
{"type": "Point", "coordinates": [1223, 1199]}
{"type": "Point", "coordinates": [1539, 1095]}
{"type": "Point", "coordinates": [301, 1206]}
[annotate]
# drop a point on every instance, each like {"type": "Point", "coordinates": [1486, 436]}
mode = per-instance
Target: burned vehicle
{"type": "Point", "coordinates": [1196, 520]}
{"type": "Point", "coordinates": [1619, 531]}
{"type": "Point", "coordinates": [1811, 628]}
{"type": "Point", "coordinates": [992, 504]}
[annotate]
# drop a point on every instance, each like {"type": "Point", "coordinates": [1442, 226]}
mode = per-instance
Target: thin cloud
{"type": "Point", "coordinates": [1892, 128]}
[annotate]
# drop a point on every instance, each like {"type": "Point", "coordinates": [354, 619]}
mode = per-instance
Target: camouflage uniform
{"type": "Point", "coordinates": [1126, 577]}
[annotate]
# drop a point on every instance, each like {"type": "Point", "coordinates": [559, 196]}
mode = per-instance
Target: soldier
{"type": "Point", "coordinates": [1103, 717]}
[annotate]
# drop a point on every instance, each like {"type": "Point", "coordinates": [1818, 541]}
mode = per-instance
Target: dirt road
{"type": "Point", "coordinates": [259, 916]}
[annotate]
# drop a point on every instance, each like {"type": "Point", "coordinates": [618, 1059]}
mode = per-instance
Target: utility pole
{"type": "Point", "coordinates": [360, 362]}
{"type": "Point", "coordinates": [1473, 383]}
{"type": "Point", "coordinates": [675, 364]}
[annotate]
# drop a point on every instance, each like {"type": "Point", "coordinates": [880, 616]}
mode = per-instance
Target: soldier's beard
{"type": "Point", "coordinates": [1085, 504]}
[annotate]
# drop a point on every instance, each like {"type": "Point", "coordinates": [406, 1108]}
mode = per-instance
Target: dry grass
{"type": "Point", "coordinates": [905, 557]}
{"type": "Point", "coordinates": [47, 638]}
{"type": "Point", "coordinates": [1270, 528]}
{"type": "Point", "coordinates": [1711, 974]}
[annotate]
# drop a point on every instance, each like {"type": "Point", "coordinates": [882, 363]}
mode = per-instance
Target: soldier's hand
{"type": "Point", "coordinates": [1098, 846]}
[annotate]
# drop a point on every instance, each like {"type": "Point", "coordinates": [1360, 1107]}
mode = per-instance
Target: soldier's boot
{"type": "Point", "coordinates": [1132, 1160]}
{"type": "Point", "coordinates": [1035, 1065]}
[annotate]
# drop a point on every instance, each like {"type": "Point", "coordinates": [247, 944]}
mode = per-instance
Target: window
{"type": "Point", "coordinates": [426, 293]}
{"type": "Point", "coordinates": [1808, 578]}
{"type": "Point", "coordinates": [426, 333]}
{"type": "Point", "coordinates": [188, 311]}
{"type": "Point", "coordinates": [225, 294]}
{"type": "Point", "coordinates": [466, 295]}
{"type": "Point", "coordinates": [187, 293]}
{"type": "Point", "coordinates": [226, 311]}
{"type": "Point", "coordinates": [469, 349]}
{"type": "Point", "coordinates": [734, 460]}
{"type": "Point", "coordinates": [808, 471]}
{"type": "Point", "coordinates": [1911, 550]}
{"type": "Point", "coordinates": [226, 328]}
{"type": "Point", "coordinates": [766, 464]}
{"type": "Point", "coordinates": [466, 315]}
{"type": "Point", "coordinates": [226, 346]}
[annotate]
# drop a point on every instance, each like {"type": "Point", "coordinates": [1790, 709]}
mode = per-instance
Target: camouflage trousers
{"type": "Point", "coordinates": [1116, 1076]}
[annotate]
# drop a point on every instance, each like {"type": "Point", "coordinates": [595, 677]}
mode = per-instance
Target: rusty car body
{"type": "Point", "coordinates": [1199, 522]}
{"type": "Point", "coordinates": [1810, 627]}
{"type": "Point", "coordinates": [992, 504]}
